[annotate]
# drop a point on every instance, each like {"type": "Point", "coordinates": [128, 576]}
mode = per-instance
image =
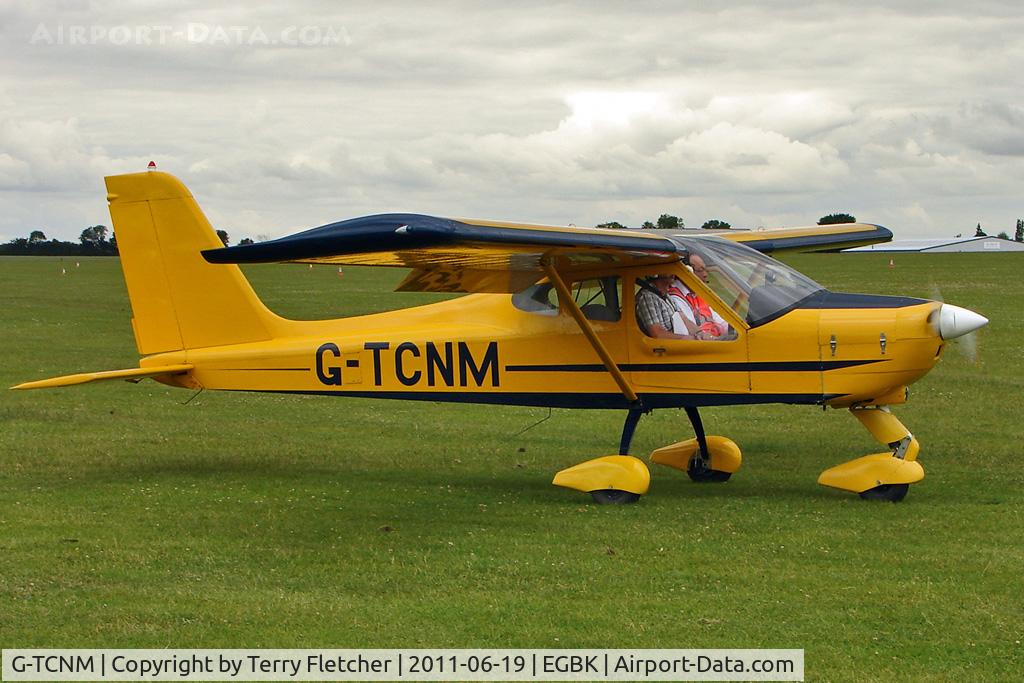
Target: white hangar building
{"type": "Point", "coordinates": [945, 245]}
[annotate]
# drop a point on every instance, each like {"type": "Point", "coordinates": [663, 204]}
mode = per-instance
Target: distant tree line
{"type": "Point", "coordinates": [667, 221]}
{"type": "Point", "coordinates": [92, 242]}
{"type": "Point", "coordinates": [836, 219]}
{"type": "Point", "coordinates": [1018, 235]}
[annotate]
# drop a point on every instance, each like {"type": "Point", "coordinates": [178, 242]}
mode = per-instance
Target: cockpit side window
{"type": "Point", "coordinates": [600, 299]}
{"type": "Point", "coordinates": [540, 298]}
{"type": "Point", "coordinates": [667, 307]}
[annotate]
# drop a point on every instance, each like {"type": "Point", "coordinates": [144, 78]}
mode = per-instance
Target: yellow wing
{"type": "Point", "coordinates": [813, 238]}
{"type": "Point", "coordinates": [470, 255]}
{"type": "Point", "coordinates": [450, 255]}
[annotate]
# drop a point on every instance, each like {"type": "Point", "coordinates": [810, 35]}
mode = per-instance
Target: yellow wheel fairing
{"type": "Point", "coordinates": [724, 454]}
{"type": "Point", "coordinates": [615, 472]}
{"type": "Point", "coordinates": [869, 471]}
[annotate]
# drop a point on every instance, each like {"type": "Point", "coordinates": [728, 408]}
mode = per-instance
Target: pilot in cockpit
{"type": "Point", "coordinates": [655, 313]}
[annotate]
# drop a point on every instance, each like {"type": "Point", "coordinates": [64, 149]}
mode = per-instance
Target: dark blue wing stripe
{"type": "Point", "coordinates": [876, 233]}
{"type": "Point", "coordinates": [381, 233]}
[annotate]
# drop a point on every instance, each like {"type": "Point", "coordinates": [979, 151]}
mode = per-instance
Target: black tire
{"type": "Point", "coordinates": [614, 497]}
{"type": "Point", "coordinates": [702, 475]}
{"type": "Point", "coordinates": [893, 493]}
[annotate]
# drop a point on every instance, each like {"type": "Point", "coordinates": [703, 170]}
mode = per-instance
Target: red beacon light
{"type": "Point", "coordinates": [152, 166]}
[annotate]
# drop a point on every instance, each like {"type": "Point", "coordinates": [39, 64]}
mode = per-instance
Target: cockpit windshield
{"type": "Point", "coordinates": [758, 287]}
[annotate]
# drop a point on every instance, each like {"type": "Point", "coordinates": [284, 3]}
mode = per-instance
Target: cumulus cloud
{"type": "Point", "coordinates": [761, 115]}
{"type": "Point", "coordinates": [47, 155]}
{"type": "Point", "coordinates": [995, 128]}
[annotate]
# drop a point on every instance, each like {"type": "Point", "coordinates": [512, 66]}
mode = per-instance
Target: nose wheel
{"type": "Point", "coordinates": [879, 476]}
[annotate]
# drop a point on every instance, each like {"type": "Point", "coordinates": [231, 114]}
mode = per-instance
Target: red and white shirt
{"type": "Point", "coordinates": [693, 308]}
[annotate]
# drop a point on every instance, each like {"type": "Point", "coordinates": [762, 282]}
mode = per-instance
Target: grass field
{"type": "Point", "coordinates": [130, 518]}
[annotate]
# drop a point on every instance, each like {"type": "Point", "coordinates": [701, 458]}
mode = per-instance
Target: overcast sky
{"type": "Point", "coordinates": [282, 116]}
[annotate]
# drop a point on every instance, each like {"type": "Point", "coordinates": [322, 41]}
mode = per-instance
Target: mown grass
{"type": "Point", "coordinates": [130, 517]}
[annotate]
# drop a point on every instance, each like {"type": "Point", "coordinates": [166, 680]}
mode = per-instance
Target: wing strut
{"type": "Point", "coordinates": [588, 331]}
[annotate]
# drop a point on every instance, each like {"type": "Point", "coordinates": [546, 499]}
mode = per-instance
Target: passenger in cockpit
{"type": "Point", "coordinates": [693, 309]}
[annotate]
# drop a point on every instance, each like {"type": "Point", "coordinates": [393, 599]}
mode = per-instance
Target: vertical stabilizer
{"type": "Point", "coordinates": [179, 301]}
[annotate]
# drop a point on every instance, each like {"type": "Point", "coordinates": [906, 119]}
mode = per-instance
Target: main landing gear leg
{"type": "Point", "coordinates": [612, 479]}
{"type": "Point", "coordinates": [880, 476]}
{"type": "Point", "coordinates": [629, 428]}
{"type": "Point", "coordinates": [706, 459]}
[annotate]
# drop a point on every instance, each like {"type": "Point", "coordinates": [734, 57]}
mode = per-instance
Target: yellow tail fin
{"type": "Point", "coordinates": [179, 301]}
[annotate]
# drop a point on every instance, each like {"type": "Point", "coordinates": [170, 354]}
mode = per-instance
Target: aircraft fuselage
{"type": "Point", "coordinates": [837, 349]}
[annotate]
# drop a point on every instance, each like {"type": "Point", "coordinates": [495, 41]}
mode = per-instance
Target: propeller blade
{"type": "Point", "coordinates": [969, 347]}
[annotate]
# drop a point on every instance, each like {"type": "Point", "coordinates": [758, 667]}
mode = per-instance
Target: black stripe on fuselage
{"type": "Point", "coordinates": [262, 369]}
{"type": "Point", "coordinates": [766, 366]}
{"type": "Point", "coordinates": [555, 400]}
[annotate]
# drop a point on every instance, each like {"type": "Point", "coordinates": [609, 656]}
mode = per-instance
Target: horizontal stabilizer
{"type": "Point", "coordinates": [86, 377]}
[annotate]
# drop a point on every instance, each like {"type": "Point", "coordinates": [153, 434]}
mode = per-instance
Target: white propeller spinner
{"type": "Point", "coordinates": [955, 321]}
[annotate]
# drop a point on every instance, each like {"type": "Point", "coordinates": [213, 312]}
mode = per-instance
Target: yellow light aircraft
{"type": "Point", "coordinates": [552, 320]}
